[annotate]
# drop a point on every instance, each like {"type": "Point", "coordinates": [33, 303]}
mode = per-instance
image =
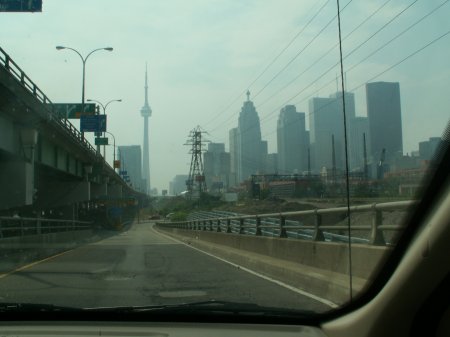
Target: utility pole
{"type": "Point", "coordinates": [196, 184]}
{"type": "Point", "coordinates": [333, 159]}
{"type": "Point", "coordinates": [309, 161]}
{"type": "Point", "coordinates": [366, 171]}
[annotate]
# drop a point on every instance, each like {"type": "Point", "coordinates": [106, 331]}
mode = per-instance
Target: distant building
{"type": "Point", "coordinates": [264, 154]}
{"type": "Point", "coordinates": [427, 149]}
{"type": "Point", "coordinates": [130, 157]}
{"type": "Point", "coordinates": [385, 120]}
{"type": "Point", "coordinates": [350, 110]}
{"type": "Point", "coordinates": [358, 135]}
{"type": "Point", "coordinates": [234, 152]}
{"type": "Point", "coordinates": [326, 134]}
{"type": "Point", "coordinates": [178, 184]}
{"type": "Point", "coordinates": [292, 141]}
{"type": "Point", "coordinates": [272, 163]}
{"type": "Point", "coordinates": [216, 165]}
{"type": "Point", "coordinates": [250, 158]}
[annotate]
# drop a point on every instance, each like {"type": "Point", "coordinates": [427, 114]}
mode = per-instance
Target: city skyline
{"type": "Point", "coordinates": [327, 142]}
{"type": "Point", "coordinates": [203, 57]}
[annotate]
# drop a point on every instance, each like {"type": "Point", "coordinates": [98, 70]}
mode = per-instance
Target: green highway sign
{"type": "Point", "coordinates": [20, 5]}
{"type": "Point", "coordinates": [73, 110]}
{"type": "Point", "coordinates": [101, 141]}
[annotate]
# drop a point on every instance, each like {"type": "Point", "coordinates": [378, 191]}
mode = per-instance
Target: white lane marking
{"type": "Point", "coordinates": [282, 284]}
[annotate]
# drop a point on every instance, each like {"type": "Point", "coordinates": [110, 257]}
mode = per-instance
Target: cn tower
{"type": "Point", "coordinates": [146, 112]}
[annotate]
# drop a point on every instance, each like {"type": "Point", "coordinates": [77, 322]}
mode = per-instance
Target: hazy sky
{"type": "Point", "coordinates": [203, 55]}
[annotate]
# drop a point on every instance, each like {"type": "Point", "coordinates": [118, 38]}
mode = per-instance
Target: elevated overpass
{"type": "Point", "coordinates": [45, 162]}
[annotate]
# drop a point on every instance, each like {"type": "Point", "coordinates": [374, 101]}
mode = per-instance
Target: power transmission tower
{"type": "Point", "coordinates": [196, 184]}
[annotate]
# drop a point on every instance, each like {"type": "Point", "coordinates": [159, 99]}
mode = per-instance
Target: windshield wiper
{"type": "Point", "coordinates": [34, 307]}
{"type": "Point", "coordinates": [214, 307]}
{"type": "Point", "coordinates": [212, 310]}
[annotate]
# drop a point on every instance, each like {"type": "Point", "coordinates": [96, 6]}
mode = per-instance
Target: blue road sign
{"type": "Point", "coordinates": [95, 123]}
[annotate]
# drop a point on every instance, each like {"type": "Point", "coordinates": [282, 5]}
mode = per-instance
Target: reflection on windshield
{"type": "Point", "coordinates": [180, 153]}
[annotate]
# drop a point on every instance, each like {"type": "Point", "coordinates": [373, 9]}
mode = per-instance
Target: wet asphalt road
{"type": "Point", "coordinates": [142, 267]}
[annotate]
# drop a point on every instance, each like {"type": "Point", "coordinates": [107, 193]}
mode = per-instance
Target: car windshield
{"type": "Point", "coordinates": [240, 156]}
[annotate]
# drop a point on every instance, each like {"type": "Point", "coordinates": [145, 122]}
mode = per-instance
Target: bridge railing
{"type": "Point", "coordinates": [20, 226]}
{"type": "Point", "coordinates": [279, 224]}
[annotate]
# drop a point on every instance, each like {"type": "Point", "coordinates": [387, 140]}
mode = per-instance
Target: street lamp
{"type": "Point", "coordinates": [83, 60]}
{"type": "Point", "coordinates": [114, 147]}
{"type": "Point", "coordinates": [104, 112]}
{"type": "Point", "coordinates": [106, 105]}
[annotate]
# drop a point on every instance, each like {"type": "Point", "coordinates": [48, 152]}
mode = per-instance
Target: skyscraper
{"type": "Point", "coordinates": [292, 141]}
{"type": "Point", "coordinates": [146, 112]}
{"type": "Point", "coordinates": [250, 146]}
{"type": "Point", "coordinates": [130, 159]}
{"type": "Point", "coordinates": [385, 120]}
{"type": "Point", "coordinates": [234, 152]}
{"type": "Point", "coordinates": [326, 133]}
{"type": "Point", "coordinates": [216, 167]}
{"type": "Point", "coordinates": [358, 131]}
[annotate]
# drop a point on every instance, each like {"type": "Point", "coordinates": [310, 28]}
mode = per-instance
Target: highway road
{"type": "Point", "coordinates": [142, 267]}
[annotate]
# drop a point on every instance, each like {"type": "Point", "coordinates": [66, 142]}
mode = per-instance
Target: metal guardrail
{"type": "Point", "coordinates": [18, 226]}
{"type": "Point", "coordinates": [279, 223]}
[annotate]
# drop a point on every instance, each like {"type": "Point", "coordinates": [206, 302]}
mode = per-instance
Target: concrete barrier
{"type": "Point", "coordinates": [320, 268]}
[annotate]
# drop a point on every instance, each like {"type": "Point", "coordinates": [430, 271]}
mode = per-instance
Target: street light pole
{"type": "Point", "coordinates": [104, 112]}
{"type": "Point", "coordinates": [114, 146]}
{"type": "Point", "coordinates": [83, 60]}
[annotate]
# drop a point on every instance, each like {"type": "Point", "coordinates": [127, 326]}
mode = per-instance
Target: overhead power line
{"type": "Point", "coordinates": [270, 63]}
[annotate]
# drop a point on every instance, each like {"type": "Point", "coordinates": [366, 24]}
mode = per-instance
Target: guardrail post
{"type": "Point", "coordinates": [218, 226]}
{"type": "Point", "coordinates": [228, 226]}
{"type": "Point", "coordinates": [376, 235]}
{"type": "Point", "coordinates": [241, 226]}
{"type": "Point", "coordinates": [283, 233]}
{"type": "Point", "coordinates": [318, 234]}
{"type": "Point", "coordinates": [21, 227]}
{"type": "Point", "coordinates": [258, 226]}
{"type": "Point", "coordinates": [204, 225]}
{"type": "Point", "coordinates": [210, 225]}
{"type": "Point", "coordinates": [7, 59]}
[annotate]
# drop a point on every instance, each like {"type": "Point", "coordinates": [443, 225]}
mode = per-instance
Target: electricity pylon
{"type": "Point", "coordinates": [196, 183]}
